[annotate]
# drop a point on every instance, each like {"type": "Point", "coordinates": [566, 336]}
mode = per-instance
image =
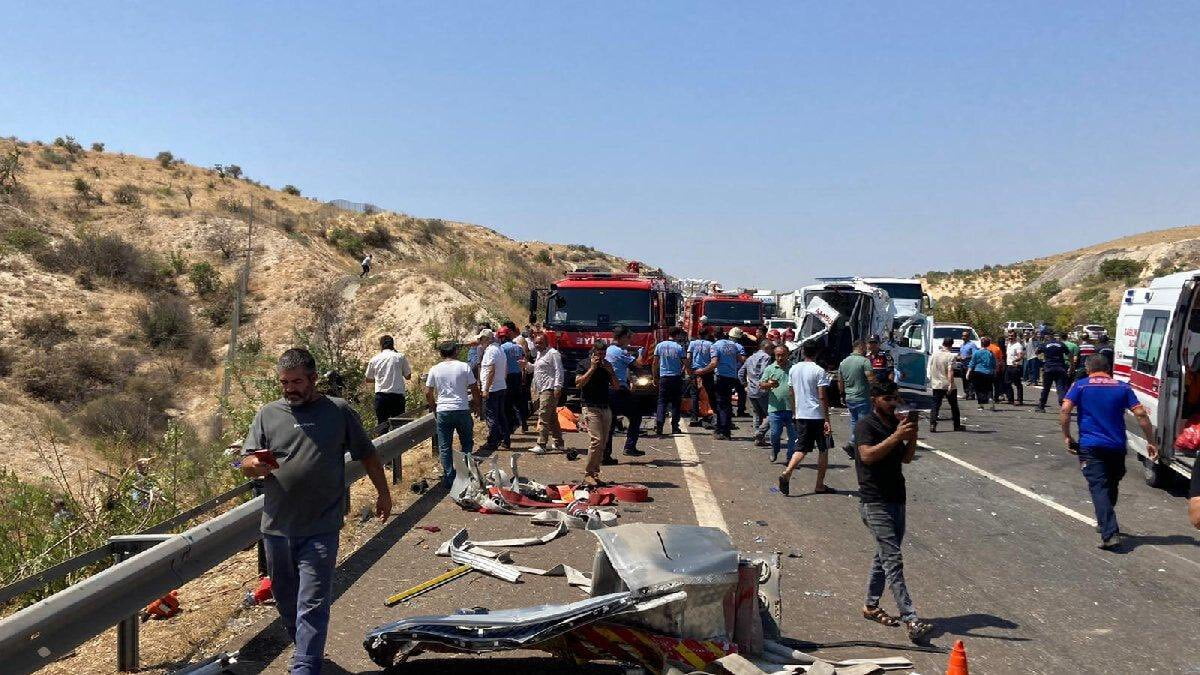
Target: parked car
{"type": "Point", "coordinates": [942, 331]}
{"type": "Point", "coordinates": [781, 324]}
{"type": "Point", "coordinates": [1090, 331]}
{"type": "Point", "coordinates": [1019, 326]}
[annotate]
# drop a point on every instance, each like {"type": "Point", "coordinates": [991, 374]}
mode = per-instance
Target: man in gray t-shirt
{"type": "Point", "coordinates": [297, 446]}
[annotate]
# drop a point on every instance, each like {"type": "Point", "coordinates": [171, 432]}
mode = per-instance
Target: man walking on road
{"type": "Point", "coordinates": [941, 381]}
{"type": "Point", "coordinates": [1014, 371]}
{"type": "Point", "coordinates": [810, 406]}
{"type": "Point", "coordinates": [388, 370]}
{"type": "Point", "coordinates": [596, 383]}
{"type": "Point", "coordinates": [700, 353]}
{"type": "Point", "coordinates": [451, 392]}
{"type": "Point", "coordinates": [727, 359]}
{"type": "Point", "coordinates": [746, 343]}
{"type": "Point", "coordinates": [750, 374]}
{"type": "Point", "coordinates": [981, 370]}
{"type": "Point", "coordinates": [779, 403]}
{"type": "Point", "coordinates": [885, 444]}
{"type": "Point", "coordinates": [1033, 360]}
{"type": "Point", "coordinates": [297, 446]}
{"type": "Point", "coordinates": [1056, 359]}
{"type": "Point", "coordinates": [965, 352]}
{"type": "Point", "coordinates": [855, 376]}
{"type": "Point", "coordinates": [548, 380]}
{"type": "Point", "coordinates": [669, 368]}
{"type": "Point", "coordinates": [492, 367]}
{"type": "Point", "coordinates": [1102, 402]}
{"type": "Point", "coordinates": [619, 356]}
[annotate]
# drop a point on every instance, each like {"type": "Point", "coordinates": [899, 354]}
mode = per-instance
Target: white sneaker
{"type": "Point", "coordinates": [538, 450]}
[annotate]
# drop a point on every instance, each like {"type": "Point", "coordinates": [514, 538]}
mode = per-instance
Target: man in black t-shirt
{"type": "Point", "coordinates": [885, 444]}
{"type": "Point", "coordinates": [596, 382]}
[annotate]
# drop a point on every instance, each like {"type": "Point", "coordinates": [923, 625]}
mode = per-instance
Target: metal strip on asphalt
{"type": "Point", "coordinates": [1011, 485]}
{"type": "Point", "coordinates": [708, 511]}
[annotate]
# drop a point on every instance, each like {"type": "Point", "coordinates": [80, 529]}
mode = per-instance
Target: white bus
{"type": "Point", "coordinates": [908, 296]}
{"type": "Point", "coordinates": [1157, 351]}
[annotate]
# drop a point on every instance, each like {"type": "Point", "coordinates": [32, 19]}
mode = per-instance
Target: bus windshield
{"type": "Point", "coordinates": [598, 308]}
{"type": "Point", "coordinates": [901, 291]}
{"type": "Point", "coordinates": [728, 311]}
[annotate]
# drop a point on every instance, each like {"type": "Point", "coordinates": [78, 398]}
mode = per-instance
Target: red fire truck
{"type": "Point", "coordinates": [585, 305]}
{"type": "Point", "coordinates": [723, 310]}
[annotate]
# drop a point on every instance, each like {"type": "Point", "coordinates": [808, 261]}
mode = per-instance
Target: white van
{"type": "Point", "coordinates": [1156, 350]}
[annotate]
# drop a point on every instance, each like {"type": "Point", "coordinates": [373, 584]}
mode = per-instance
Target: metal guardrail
{"type": "Point", "coordinates": [51, 628]}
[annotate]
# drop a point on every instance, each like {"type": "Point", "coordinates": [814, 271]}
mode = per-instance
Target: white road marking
{"type": "Point", "coordinates": [1011, 485]}
{"type": "Point", "coordinates": [708, 511]}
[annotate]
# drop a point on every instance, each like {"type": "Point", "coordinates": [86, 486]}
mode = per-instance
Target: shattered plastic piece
{"type": "Point", "coordinates": [525, 541]}
{"type": "Point", "coordinates": [495, 631]}
{"type": "Point", "coordinates": [460, 555]}
{"type": "Point", "coordinates": [819, 594]}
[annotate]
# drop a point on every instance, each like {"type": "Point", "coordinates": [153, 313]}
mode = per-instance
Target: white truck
{"type": "Point", "coordinates": [1157, 351]}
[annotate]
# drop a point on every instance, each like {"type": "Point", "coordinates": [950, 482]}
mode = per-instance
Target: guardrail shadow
{"type": "Point", "coordinates": [266, 645]}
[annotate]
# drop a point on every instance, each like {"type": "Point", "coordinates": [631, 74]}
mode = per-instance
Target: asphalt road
{"type": "Point", "coordinates": [1000, 552]}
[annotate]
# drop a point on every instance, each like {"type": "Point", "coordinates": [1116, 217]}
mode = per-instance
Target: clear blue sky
{"type": "Point", "coordinates": [750, 142]}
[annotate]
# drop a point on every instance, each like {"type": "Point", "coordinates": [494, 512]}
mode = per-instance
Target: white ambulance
{"type": "Point", "coordinates": [1157, 351]}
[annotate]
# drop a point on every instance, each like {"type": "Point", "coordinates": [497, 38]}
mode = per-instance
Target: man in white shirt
{"type": "Point", "coordinates": [810, 406]}
{"type": "Point", "coordinates": [1015, 360]}
{"type": "Point", "coordinates": [388, 370]}
{"type": "Point", "coordinates": [547, 388]}
{"type": "Point", "coordinates": [941, 381]}
{"type": "Point", "coordinates": [492, 370]}
{"type": "Point", "coordinates": [366, 265]}
{"type": "Point", "coordinates": [451, 393]}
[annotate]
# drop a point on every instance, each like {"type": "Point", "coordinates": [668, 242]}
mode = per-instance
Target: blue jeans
{"type": "Point", "coordinates": [858, 410]}
{"type": "Point", "coordinates": [448, 422]}
{"type": "Point", "coordinates": [670, 395]}
{"type": "Point", "coordinates": [886, 523]}
{"type": "Point", "coordinates": [1104, 468]}
{"type": "Point", "coordinates": [780, 420]}
{"type": "Point", "coordinates": [301, 570]}
{"type": "Point", "coordinates": [494, 414]}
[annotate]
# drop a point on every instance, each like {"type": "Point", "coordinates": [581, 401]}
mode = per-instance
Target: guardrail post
{"type": "Point", "coordinates": [127, 631]}
{"type": "Point", "coordinates": [261, 549]}
{"type": "Point", "coordinates": [397, 471]}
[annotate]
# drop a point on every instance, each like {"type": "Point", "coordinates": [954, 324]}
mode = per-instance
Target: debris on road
{"type": "Point", "coordinates": [462, 556]}
{"type": "Point", "coordinates": [215, 665]}
{"type": "Point", "coordinates": [426, 586]}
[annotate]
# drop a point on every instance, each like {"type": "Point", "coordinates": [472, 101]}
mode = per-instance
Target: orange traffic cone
{"type": "Point", "coordinates": [958, 660]}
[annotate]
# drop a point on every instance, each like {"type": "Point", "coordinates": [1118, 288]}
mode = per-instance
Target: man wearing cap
{"type": "Point", "coordinates": [492, 368]}
{"type": "Point", "coordinates": [619, 355]}
{"type": "Point", "coordinates": [596, 382]}
{"type": "Point", "coordinates": [882, 364]}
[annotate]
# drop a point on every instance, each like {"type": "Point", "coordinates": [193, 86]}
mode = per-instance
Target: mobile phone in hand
{"type": "Point", "coordinates": [267, 457]}
{"type": "Point", "coordinates": [913, 415]}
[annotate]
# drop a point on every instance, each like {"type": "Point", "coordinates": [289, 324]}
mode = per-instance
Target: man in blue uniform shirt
{"type": "Point", "coordinates": [1102, 402]}
{"type": "Point", "coordinates": [726, 361]}
{"type": "Point", "coordinates": [622, 400]}
{"type": "Point", "coordinates": [700, 353]}
{"type": "Point", "coordinates": [669, 368]}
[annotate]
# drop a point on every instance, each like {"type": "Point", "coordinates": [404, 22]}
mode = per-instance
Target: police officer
{"type": "Point", "coordinates": [622, 403]}
{"type": "Point", "coordinates": [1056, 364]}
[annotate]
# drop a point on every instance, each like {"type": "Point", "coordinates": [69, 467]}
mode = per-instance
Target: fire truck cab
{"type": "Point", "coordinates": [723, 310]}
{"type": "Point", "coordinates": [1157, 351]}
{"type": "Point", "coordinates": [584, 306]}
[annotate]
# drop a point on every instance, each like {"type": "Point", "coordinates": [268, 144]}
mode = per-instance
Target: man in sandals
{"type": "Point", "coordinates": [885, 444]}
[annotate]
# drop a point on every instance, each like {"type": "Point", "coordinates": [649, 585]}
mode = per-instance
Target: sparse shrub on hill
{"type": "Point", "coordinates": [188, 192]}
{"type": "Point", "coordinates": [6, 361]}
{"type": "Point", "coordinates": [166, 159]}
{"type": "Point", "coordinates": [377, 237]}
{"type": "Point", "coordinates": [176, 263]}
{"type": "Point", "coordinates": [426, 230]}
{"type": "Point", "coordinates": [50, 158]}
{"type": "Point", "coordinates": [11, 189]}
{"type": "Point", "coordinates": [205, 278]}
{"type": "Point", "coordinates": [106, 256]}
{"type": "Point", "coordinates": [24, 238]}
{"type": "Point", "coordinates": [200, 350]}
{"type": "Point", "coordinates": [543, 257]}
{"type": "Point", "coordinates": [69, 145]}
{"type": "Point", "coordinates": [290, 190]}
{"type": "Point", "coordinates": [46, 330]}
{"type": "Point", "coordinates": [165, 322]}
{"type": "Point", "coordinates": [218, 307]}
{"type": "Point", "coordinates": [223, 240]}
{"type": "Point", "coordinates": [127, 194]}
{"type": "Point", "coordinates": [345, 240]}
{"type": "Point", "coordinates": [97, 147]}
{"type": "Point", "coordinates": [1049, 289]}
{"type": "Point", "coordinates": [232, 205]}
{"type": "Point", "coordinates": [71, 373]}
{"type": "Point", "coordinates": [84, 194]}
{"type": "Point", "coordinates": [1121, 269]}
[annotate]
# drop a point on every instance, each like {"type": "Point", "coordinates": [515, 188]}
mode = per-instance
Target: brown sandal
{"type": "Point", "coordinates": [879, 616]}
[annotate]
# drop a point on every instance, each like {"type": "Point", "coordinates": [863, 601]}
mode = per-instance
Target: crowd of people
{"type": "Point", "coordinates": [513, 378]}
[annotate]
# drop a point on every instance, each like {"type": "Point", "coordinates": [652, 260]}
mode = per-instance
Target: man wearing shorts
{"type": "Point", "coordinates": [810, 405]}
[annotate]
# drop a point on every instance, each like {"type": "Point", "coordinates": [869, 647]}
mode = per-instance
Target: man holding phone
{"type": "Point", "coordinates": [297, 446]}
{"type": "Point", "coordinates": [885, 444]}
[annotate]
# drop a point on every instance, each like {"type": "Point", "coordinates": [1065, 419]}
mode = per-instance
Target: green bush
{"type": "Point", "coordinates": [25, 238]}
{"type": "Point", "coordinates": [127, 194]}
{"type": "Point", "coordinates": [205, 278]}
{"type": "Point", "coordinates": [233, 205]}
{"type": "Point", "coordinates": [1121, 269]}
{"type": "Point", "coordinates": [1049, 289]}
{"type": "Point", "coordinates": [69, 144]}
{"type": "Point", "coordinates": [165, 322]}
{"type": "Point", "coordinates": [46, 330]}
{"type": "Point", "coordinates": [97, 147]}
{"type": "Point", "coordinates": [543, 257]}
{"type": "Point", "coordinates": [346, 240]}
{"type": "Point", "coordinates": [165, 159]}
{"type": "Point", "coordinates": [176, 263]}
{"type": "Point", "coordinates": [71, 373]}
{"type": "Point", "coordinates": [291, 190]}
{"type": "Point", "coordinates": [200, 350]}
{"type": "Point", "coordinates": [429, 229]}
{"type": "Point", "coordinates": [218, 307]}
{"type": "Point", "coordinates": [106, 256]}
{"type": "Point", "coordinates": [377, 237]}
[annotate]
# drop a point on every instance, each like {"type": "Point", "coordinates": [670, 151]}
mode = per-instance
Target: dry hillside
{"type": "Point", "coordinates": [1078, 274]}
{"type": "Point", "coordinates": [68, 287]}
